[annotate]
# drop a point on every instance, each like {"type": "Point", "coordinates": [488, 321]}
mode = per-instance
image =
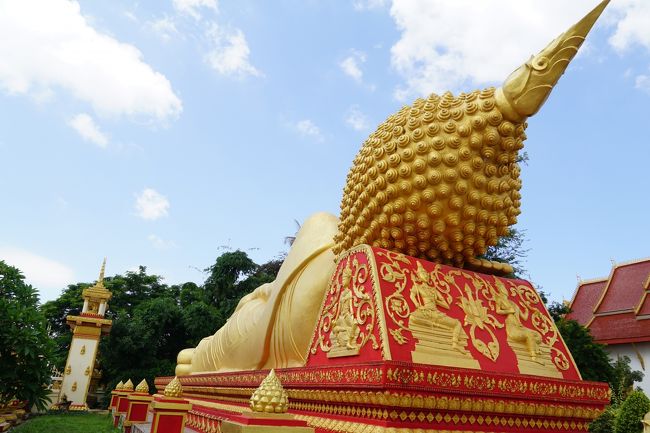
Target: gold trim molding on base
{"type": "Point", "coordinates": [231, 427]}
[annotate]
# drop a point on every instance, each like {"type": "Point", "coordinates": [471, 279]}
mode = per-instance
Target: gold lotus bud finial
{"type": "Point", "coordinates": [100, 280]}
{"type": "Point", "coordinates": [270, 396]}
{"type": "Point", "coordinates": [526, 89]}
{"type": "Point", "coordinates": [142, 387]}
{"type": "Point", "coordinates": [128, 386]}
{"type": "Point", "coordinates": [119, 386]}
{"type": "Point", "coordinates": [174, 388]}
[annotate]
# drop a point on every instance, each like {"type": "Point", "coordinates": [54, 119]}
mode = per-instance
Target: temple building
{"type": "Point", "coordinates": [616, 310]}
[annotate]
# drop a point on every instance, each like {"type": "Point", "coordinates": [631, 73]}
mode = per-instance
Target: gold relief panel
{"type": "Point", "coordinates": [419, 305]}
{"type": "Point", "coordinates": [348, 316]}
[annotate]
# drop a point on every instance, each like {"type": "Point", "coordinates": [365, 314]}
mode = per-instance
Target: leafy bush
{"type": "Point", "coordinates": [635, 406]}
{"type": "Point", "coordinates": [25, 348]}
{"type": "Point", "coordinates": [605, 422]}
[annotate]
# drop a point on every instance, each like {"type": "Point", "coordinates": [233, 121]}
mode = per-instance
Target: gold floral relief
{"type": "Point", "coordinates": [348, 316]}
{"type": "Point", "coordinates": [420, 303]}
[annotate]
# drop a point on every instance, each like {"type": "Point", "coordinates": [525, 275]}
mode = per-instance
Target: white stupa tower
{"type": "Point", "coordinates": [87, 328]}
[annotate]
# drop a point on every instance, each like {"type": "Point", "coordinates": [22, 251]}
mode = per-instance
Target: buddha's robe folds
{"type": "Point", "coordinates": [272, 326]}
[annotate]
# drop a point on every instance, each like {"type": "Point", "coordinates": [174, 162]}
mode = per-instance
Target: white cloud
{"type": "Point", "coordinates": [632, 24]}
{"type": "Point", "coordinates": [47, 275]}
{"type": "Point", "coordinates": [363, 5]}
{"type": "Point", "coordinates": [131, 16]}
{"type": "Point", "coordinates": [192, 7]}
{"type": "Point", "coordinates": [159, 243]}
{"type": "Point", "coordinates": [356, 119]}
{"type": "Point", "coordinates": [164, 27]}
{"type": "Point", "coordinates": [351, 65]}
{"type": "Point", "coordinates": [88, 129]}
{"type": "Point", "coordinates": [151, 205]}
{"type": "Point", "coordinates": [307, 128]}
{"type": "Point", "coordinates": [642, 82]}
{"type": "Point", "coordinates": [229, 52]}
{"type": "Point", "coordinates": [51, 45]}
{"type": "Point", "coordinates": [449, 45]}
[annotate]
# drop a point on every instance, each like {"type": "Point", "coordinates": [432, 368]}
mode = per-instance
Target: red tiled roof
{"type": "Point", "coordinates": [625, 287]}
{"type": "Point", "coordinates": [644, 307]}
{"type": "Point", "coordinates": [619, 328]}
{"type": "Point", "coordinates": [587, 295]}
{"type": "Point", "coordinates": [616, 310]}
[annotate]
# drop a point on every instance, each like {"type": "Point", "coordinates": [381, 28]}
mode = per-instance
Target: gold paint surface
{"type": "Point", "coordinates": [174, 388]}
{"type": "Point", "coordinates": [270, 396]}
{"type": "Point", "coordinates": [142, 387]}
{"type": "Point", "coordinates": [439, 179]}
{"type": "Point", "coordinates": [272, 326]}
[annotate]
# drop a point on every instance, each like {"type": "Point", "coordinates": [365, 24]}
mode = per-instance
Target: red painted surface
{"type": "Point", "coordinates": [619, 329]}
{"type": "Point", "coordinates": [513, 402]}
{"type": "Point", "coordinates": [644, 309]}
{"type": "Point", "coordinates": [582, 307]}
{"type": "Point", "coordinates": [123, 404]}
{"type": "Point", "coordinates": [622, 315]}
{"type": "Point", "coordinates": [625, 287]}
{"type": "Point", "coordinates": [138, 411]}
{"type": "Point", "coordinates": [114, 398]}
{"type": "Point", "coordinates": [396, 301]}
{"type": "Point", "coordinates": [168, 424]}
{"type": "Point", "coordinates": [168, 420]}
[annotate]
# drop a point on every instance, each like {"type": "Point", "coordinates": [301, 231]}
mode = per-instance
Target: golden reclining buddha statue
{"type": "Point", "coordinates": [438, 180]}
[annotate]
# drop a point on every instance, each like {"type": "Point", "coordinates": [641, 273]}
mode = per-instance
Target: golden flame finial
{"type": "Point", "coordinates": [100, 280]}
{"type": "Point", "coordinates": [270, 396]}
{"type": "Point", "coordinates": [142, 387]}
{"type": "Point", "coordinates": [119, 386]}
{"type": "Point", "coordinates": [128, 386]}
{"type": "Point", "coordinates": [174, 388]}
{"type": "Point", "coordinates": [526, 89]}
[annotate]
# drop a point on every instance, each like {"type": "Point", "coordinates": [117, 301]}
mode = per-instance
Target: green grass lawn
{"type": "Point", "coordinates": [68, 423]}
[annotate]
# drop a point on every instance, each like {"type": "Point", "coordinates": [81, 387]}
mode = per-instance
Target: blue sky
{"type": "Point", "coordinates": [163, 132]}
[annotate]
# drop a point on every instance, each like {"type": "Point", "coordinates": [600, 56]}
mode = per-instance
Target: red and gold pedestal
{"type": "Point", "coordinates": [138, 410]}
{"type": "Point", "coordinates": [169, 414]}
{"type": "Point", "coordinates": [122, 402]}
{"type": "Point", "coordinates": [405, 345]}
{"type": "Point", "coordinates": [115, 394]}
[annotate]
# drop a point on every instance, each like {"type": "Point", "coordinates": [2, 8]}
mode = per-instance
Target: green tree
{"type": "Point", "coordinates": [144, 343]}
{"type": "Point", "coordinates": [605, 422]}
{"type": "Point", "coordinates": [25, 348]}
{"type": "Point", "coordinates": [623, 378]}
{"type": "Point", "coordinates": [69, 302]}
{"type": "Point", "coordinates": [152, 321]}
{"type": "Point", "coordinates": [590, 357]}
{"type": "Point", "coordinates": [232, 276]}
{"type": "Point", "coordinates": [631, 413]}
{"type": "Point", "coordinates": [229, 269]}
{"type": "Point", "coordinates": [510, 249]}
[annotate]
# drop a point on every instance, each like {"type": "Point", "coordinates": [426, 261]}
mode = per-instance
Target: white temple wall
{"type": "Point", "coordinates": [639, 354]}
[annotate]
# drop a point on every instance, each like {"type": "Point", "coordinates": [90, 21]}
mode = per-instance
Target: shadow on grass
{"type": "Point", "coordinates": [68, 423]}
